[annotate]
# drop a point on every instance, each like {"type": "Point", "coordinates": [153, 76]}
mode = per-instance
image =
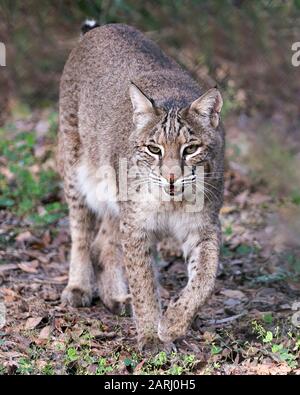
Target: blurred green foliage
{"type": "Point", "coordinates": [28, 188]}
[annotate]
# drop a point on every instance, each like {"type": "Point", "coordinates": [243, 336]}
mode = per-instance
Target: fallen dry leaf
{"type": "Point", "coordinates": [60, 279]}
{"type": "Point", "coordinates": [8, 266]}
{"type": "Point", "coordinates": [29, 267]}
{"type": "Point", "coordinates": [9, 295]}
{"type": "Point", "coordinates": [227, 209]}
{"type": "Point", "coordinates": [233, 294]}
{"type": "Point", "coordinates": [43, 336]}
{"type": "Point", "coordinates": [33, 322]}
{"type": "Point", "coordinates": [24, 236]}
{"type": "Point", "coordinates": [45, 332]}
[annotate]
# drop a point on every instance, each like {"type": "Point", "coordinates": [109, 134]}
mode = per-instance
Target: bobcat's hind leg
{"type": "Point", "coordinates": [106, 255]}
{"type": "Point", "coordinates": [82, 220]}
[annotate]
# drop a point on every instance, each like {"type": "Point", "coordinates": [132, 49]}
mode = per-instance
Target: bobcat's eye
{"type": "Point", "coordinates": [154, 149]}
{"type": "Point", "coordinates": [191, 149]}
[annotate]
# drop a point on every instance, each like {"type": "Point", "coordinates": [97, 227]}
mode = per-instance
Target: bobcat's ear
{"type": "Point", "coordinates": [140, 102]}
{"type": "Point", "coordinates": [209, 105]}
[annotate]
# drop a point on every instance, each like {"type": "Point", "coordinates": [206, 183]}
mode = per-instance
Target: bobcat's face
{"type": "Point", "coordinates": [179, 148]}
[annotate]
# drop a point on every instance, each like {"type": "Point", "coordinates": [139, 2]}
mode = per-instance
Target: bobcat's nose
{"type": "Point", "coordinates": [171, 178]}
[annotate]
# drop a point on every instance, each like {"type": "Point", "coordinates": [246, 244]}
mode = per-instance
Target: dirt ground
{"type": "Point", "coordinates": [248, 326]}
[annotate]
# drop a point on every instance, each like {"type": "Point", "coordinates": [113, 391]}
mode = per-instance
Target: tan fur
{"type": "Point", "coordinates": [119, 95]}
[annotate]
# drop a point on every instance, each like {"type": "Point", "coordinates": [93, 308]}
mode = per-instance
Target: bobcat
{"type": "Point", "coordinates": [123, 99]}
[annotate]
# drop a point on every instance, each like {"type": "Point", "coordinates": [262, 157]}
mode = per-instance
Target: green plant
{"type": "Point", "coordinates": [284, 355]}
{"type": "Point", "coordinates": [271, 278]}
{"type": "Point", "coordinates": [28, 185]}
{"type": "Point", "coordinates": [275, 346]}
{"type": "Point", "coordinates": [175, 370]}
{"type": "Point", "coordinates": [189, 362]}
{"type": "Point", "coordinates": [160, 359]}
{"type": "Point", "coordinates": [244, 249]}
{"type": "Point", "coordinates": [215, 349]}
{"type": "Point", "coordinates": [2, 370]}
{"type": "Point", "coordinates": [228, 230]}
{"type": "Point", "coordinates": [226, 252]}
{"type": "Point", "coordinates": [48, 370]}
{"type": "Point", "coordinates": [103, 367]}
{"type": "Point", "coordinates": [268, 318]}
{"type": "Point", "coordinates": [72, 354]}
{"type": "Point", "coordinates": [25, 366]}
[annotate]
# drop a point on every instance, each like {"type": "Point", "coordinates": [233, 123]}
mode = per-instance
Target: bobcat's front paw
{"type": "Point", "coordinates": [76, 297]}
{"type": "Point", "coordinates": [171, 327]}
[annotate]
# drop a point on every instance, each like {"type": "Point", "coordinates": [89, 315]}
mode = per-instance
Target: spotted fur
{"type": "Point", "coordinates": [120, 97]}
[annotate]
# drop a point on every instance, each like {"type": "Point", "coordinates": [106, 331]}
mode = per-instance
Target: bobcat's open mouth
{"type": "Point", "coordinates": [174, 188]}
{"type": "Point", "coordinates": [172, 191]}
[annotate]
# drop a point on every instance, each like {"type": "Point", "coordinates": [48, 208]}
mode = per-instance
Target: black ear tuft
{"type": "Point", "coordinates": [88, 25]}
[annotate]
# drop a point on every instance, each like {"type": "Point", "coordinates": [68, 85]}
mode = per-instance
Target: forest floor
{"type": "Point", "coordinates": [250, 324]}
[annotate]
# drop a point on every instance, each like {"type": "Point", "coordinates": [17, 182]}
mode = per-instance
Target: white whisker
{"type": "Point", "coordinates": [205, 183]}
{"type": "Point", "coordinates": [208, 191]}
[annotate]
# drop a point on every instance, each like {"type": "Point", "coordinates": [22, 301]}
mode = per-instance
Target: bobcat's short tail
{"type": "Point", "coordinates": [88, 25]}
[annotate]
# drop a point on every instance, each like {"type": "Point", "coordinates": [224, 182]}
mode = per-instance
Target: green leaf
{"type": "Point", "coordinates": [244, 249]}
{"type": "Point", "coordinates": [128, 362]}
{"type": "Point", "coordinates": [6, 202]}
{"type": "Point", "coordinates": [268, 338]}
{"type": "Point", "coordinates": [277, 348]}
{"type": "Point", "coordinates": [72, 354]}
{"type": "Point", "coordinates": [225, 252]}
{"type": "Point", "coordinates": [215, 349]}
{"type": "Point", "coordinates": [228, 231]}
{"type": "Point", "coordinates": [268, 318]}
